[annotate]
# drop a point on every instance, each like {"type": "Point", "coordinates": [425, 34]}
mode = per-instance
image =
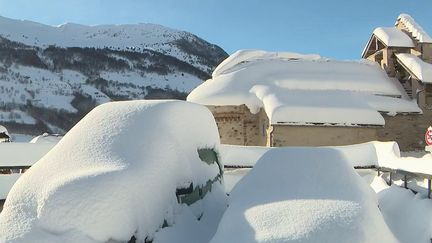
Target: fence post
{"type": "Point", "coordinates": [429, 188]}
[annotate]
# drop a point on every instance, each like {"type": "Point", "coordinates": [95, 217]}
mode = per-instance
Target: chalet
{"type": "Point", "coordinates": [263, 98]}
{"type": "Point", "coordinates": [404, 51]}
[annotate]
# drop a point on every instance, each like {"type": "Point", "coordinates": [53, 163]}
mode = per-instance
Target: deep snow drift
{"type": "Point", "coordinates": [302, 195]}
{"type": "Point", "coordinates": [115, 175]}
{"type": "Point", "coordinates": [408, 215]}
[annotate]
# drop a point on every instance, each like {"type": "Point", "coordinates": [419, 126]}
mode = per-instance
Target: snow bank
{"type": "Point", "coordinates": [114, 175]}
{"type": "Point", "coordinates": [408, 215]}
{"type": "Point", "coordinates": [415, 29]}
{"type": "Point", "coordinates": [393, 37]}
{"type": "Point", "coordinates": [296, 195]}
{"type": "Point", "coordinates": [301, 89]}
{"type": "Point", "coordinates": [422, 70]}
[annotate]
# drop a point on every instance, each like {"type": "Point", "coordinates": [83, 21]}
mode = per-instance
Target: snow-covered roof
{"type": "Point", "coordinates": [302, 195]}
{"type": "Point", "coordinates": [4, 130]}
{"type": "Point", "coordinates": [414, 28]}
{"type": "Point", "coordinates": [114, 175]}
{"type": "Point", "coordinates": [393, 37]}
{"type": "Point", "coordinates": [304, 89]}
{"type": "Point", "coordinates": [22, 154]}
{"type": "Point", "coordinates": [47, 138]}
{"type": "Point", "coordinates": [422, 70]}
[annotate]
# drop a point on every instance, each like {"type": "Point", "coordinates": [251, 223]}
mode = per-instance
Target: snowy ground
{"type": "Point", "coordinates": [407, 215]}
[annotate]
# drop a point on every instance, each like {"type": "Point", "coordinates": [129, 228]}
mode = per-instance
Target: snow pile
{"type": "Point", "coordinates": [300, 195]}
{"type": "Point", "coordinates": [415, 29]}
{"type": "Point", "coordinates": [422, 70]}
{"type": "Point", "coordinates": [393, 37]}
{"type": "Point", "coordinates": [408, 215]}
{"type": "Point", "coordinates": [303, 89]}
{"type": "Point", "coordinates": [47, 138]}
{"type": "Point", "coordinates": [115, 175]}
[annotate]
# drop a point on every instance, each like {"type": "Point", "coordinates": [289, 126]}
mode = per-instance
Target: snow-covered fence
{"type": "Point", "coordinates": [406, 176]}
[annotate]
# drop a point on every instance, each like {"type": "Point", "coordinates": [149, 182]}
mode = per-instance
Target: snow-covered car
{"type": "Point", "coordinates": [127, 171]}
{"type": "Point", "coordinates": [302, 195]}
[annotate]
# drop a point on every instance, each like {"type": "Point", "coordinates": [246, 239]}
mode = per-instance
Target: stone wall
{"type": "Point", "coordinates": [238, 126]}
{"type": "Point", "coordinates": [388, 63]}
{"type": "Point", "coordinates": [407, 130]}
{"type": "Point", "coordinates": [287, 135]}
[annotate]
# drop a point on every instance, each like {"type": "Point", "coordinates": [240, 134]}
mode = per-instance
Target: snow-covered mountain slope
{"type": "Point", "coordinates": [134, 37]}
{"type": "Point", "coordinates": [52, 76]}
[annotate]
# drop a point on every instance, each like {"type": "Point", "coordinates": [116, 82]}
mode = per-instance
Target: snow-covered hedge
{"type": "Point", "coordinates": [116, 175]}
{"type": "Point", "coordinates": [302, 195]}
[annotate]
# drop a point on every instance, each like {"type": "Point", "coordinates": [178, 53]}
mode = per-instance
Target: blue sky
{"type": "Point", "coordinates": [332, 28]}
